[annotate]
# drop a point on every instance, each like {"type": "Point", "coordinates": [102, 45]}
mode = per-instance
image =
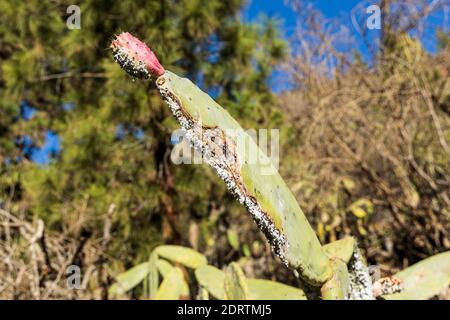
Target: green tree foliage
{"type": "Point", "coordinates": [125, 174]}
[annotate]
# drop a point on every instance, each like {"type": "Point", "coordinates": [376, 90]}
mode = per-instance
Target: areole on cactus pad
{"type": "Point", "coordinates": [211, 129]}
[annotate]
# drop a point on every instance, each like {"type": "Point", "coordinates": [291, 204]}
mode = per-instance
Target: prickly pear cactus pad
{"type": "Point", "coordinates": [246, 170]}
{"type": "Point", "coordinates": [336, 288]}
{"type": "Point", "coordinates": [135, 57]}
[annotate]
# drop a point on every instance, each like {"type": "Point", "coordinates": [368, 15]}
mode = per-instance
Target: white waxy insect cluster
{"type": "Point", "coordinates": [135, 68]}
{"type": "Point", "coordinates": [208, 142]}
{"type": "Point", "coordinates": [360, 287]}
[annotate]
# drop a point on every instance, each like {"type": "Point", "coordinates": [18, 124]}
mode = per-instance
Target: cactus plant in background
{"type": "Point", "coordinates": [338, 269]}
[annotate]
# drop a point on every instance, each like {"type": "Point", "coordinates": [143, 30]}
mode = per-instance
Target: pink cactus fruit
{"type": "Point", "coordinates": [135, 57]}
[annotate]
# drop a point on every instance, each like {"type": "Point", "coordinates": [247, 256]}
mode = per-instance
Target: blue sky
{"type": "Point", "coordinates": [50, 146]}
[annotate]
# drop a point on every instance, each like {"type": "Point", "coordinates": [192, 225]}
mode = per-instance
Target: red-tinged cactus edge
{"type": "Point", "coordinates": [135, 57]}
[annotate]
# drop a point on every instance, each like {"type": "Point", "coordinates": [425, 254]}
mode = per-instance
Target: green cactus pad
{"type": "Point", "coordinates": [173, 286]}
{"type": "Point", "coordinates": [212, 279]}
{"type": "Point", "coordinates": [229, 149]}
{"type": "Point", "coordinates": [260, 289]}
{"type": "Point", "coordinates": [153, 277]}
{"type": "Point", "coordinates": [186, 256]}
{"type": "Point", "coordinates": [129, 279]}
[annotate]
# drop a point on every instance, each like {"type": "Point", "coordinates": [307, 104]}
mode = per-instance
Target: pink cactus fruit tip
{"type": "Point", "coordinates": [135, 57]}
